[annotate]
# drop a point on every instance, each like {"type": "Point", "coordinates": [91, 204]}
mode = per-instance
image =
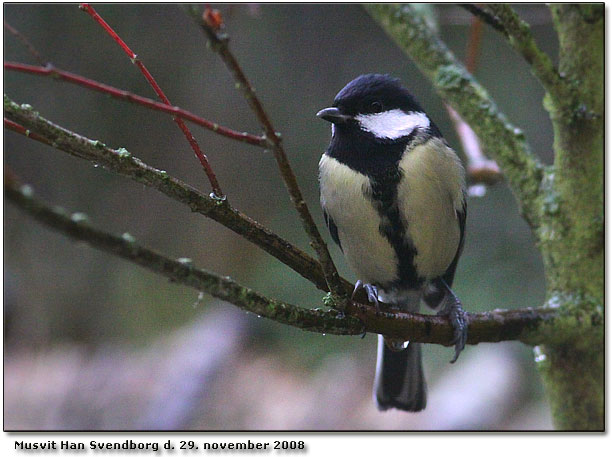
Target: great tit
{"type": "Point", "coordinates": [393, 197]}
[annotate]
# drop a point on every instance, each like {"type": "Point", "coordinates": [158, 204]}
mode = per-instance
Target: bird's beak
{"type": "Point", "coordinates": [333, 115]}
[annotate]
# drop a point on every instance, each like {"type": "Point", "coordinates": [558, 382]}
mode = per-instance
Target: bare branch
{"type": "Point", "coordinates": [495, 326]}
{"type": "Point", "coordinates": [122, 162]}
{"type": "Point", "coordinates": [473, 46]}
{"type": "Point", "coordinates": [219, 43]}
{"type": "Point", "coordinates": [57, 74]}
{"type": "Point", "coordinates": [22, 130]}
{"type": "Point", "coordinates": [149, 77]}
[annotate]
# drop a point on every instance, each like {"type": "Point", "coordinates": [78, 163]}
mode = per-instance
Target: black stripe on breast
{"type": "Point", "coordinates": [379, 160]}
{"type": "Point", "coordinates": [333, 228]}
{"type": "Point", "coordinates": [384, 196]}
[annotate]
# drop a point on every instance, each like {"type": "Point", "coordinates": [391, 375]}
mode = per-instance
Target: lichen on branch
{"type": "Point", "coordinates": [122, 162]}
{"type": "Point", "coordinates": [495, 326]}
{"type": "Point", "coordinates": [522, 324]}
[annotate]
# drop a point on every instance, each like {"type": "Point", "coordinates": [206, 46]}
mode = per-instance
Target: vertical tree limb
{"type": "Point", "coordinates": [572, 234]}
{"type": "Point", "coordinates": [563, 203]}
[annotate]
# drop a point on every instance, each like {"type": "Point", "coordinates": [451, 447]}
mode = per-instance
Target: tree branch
{"type": "Point", "coordinates": [219, 43]}
{"type": "Point", "coordinates": [58, 74]}
{"type": "Point", "coordinates": [520, 38]}
{"type": "Point", "coordinates": [504, 142]}
{"type": "Point", "coordinates": [212, 178]}
{"type": "Point", "coordinates": [524, 325]}
{"type": "Point", "coordinates": [23, 131]}
{"type": "Point", "coordinates": [473, 45]}
{"type": "Point", "coordinates": [480, 170]}
{"type": "Point", "coordinates": [122, 162]}
{"type": "Point", "coordinates": [181, 270]}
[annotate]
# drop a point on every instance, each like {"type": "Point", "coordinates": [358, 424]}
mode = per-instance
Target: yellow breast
{"type": "Point", "coordinates": [429, 196]}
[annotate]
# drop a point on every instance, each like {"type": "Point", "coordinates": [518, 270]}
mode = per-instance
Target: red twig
{"type": "Point", "coordinates": [134, 58]}
{"type": "Point", "coordinates": [29, 46]}
{"type": "Point", "coordinates": [471, 59]}
{"type": "Point", "coordinates": [137, 99]}
{"type": "Point", "coordinates": [21, 129]}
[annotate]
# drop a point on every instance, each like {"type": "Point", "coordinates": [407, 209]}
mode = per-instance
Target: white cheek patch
{"type": "Point", "coordinates": [392, 124]}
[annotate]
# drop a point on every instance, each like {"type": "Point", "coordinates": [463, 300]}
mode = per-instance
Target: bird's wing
{"type": "Point", "coordinates": [333, 228]}
{"type": "Point", "coordinates": [449, 275]}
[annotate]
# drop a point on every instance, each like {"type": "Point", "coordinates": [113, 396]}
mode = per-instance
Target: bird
{"type": "Point", "coordinates": [394, 200]}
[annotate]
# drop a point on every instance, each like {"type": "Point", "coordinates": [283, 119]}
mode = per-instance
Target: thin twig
{"type": "Point", "coordinates": [29, 46]}
{"type": "Point", "coordinates": [143, 69]}
{"type": "Point", "coordinates": [57, 74]}
{"type": "Point", "coordinates": [22, 130]}
{"type": "Point", "coordinates": [473, 46]}
{"type": "Point", "coordinates": [122, 162]}
{"type": "Point", "coordinates": [219, 43]}
{"type": "Point", "coordinates": [524, 325]}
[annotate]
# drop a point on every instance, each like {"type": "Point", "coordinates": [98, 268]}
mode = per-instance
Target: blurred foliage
{"type": "Point", "coordinates": [297, 57]}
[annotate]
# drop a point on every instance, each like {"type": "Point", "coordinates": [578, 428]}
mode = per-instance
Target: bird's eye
{"type": "Point", "coordinates": [376, 107]}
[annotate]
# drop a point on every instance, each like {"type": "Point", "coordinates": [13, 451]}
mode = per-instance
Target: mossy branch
{"type": "Point", "coordinates": [521, 39]}
{"type": "Point", "coordinates": [180, 271]}
{"type": "Point", "coordinates": [524, 324]}
{"type": "Point", "coordinates": [573, 251]}
{"type": "Point", "coordinates": [503, 141]}
{"type": "Point", "coordinates": [495, 326]}
{"type": "Point", "coordinates": [122, 162]}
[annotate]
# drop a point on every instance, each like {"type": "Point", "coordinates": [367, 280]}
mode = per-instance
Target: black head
{"type": "Point", "coordinates": [377, 106]}
{"type": "Point", "coordinates": [374, 93]}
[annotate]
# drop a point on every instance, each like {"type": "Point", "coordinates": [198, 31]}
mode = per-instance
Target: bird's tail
{"type": "Point", "coordinates": [399, 381]}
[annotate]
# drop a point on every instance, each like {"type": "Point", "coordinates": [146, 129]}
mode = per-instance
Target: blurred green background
{"type": "Point", "coordinates": [86, 319]}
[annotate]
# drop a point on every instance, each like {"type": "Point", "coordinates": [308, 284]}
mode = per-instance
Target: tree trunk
{"type": "Point", "coordinates": [571, 233]}
{"type": "Point", "coordinates": [562, 203]}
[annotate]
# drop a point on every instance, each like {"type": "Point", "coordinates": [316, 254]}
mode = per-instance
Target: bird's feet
{"type": "Point", "coordinates": [454, 310]}
{"type": "Point", "coordinates": [371, 290]}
